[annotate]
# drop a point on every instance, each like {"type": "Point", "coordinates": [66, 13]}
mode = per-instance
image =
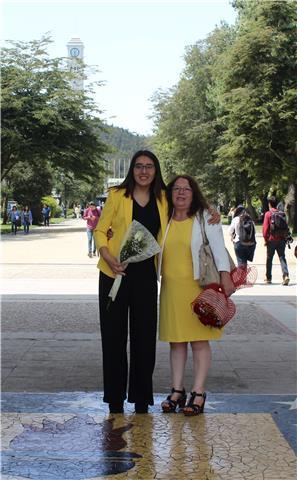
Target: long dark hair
{"type": "Point", "coordinates": [199, 202]}
{"type": "Point", "coordinates": [157, 184]}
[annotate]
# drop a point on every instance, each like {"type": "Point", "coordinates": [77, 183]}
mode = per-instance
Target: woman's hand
{"type": "Point", "coordinates": [227, 284]}
{"type": "Point", "coordinates": [116, 266]}
{"type": "Point", "coordinates": [215, 216]}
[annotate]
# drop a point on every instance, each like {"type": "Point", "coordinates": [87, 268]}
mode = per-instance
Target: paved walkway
{"type": "Point", "coordinates": [52, 378]}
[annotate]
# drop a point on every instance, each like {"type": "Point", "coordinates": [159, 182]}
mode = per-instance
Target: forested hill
{"type": "Point", "coordinates": [123, 142]}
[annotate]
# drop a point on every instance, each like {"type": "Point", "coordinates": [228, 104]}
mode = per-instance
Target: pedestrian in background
{"type": "Point", "coordinates": [180, 285]}
{"type": "Point", "coordinates": [77, 211]}
{"type": "Point", "coordinates": [82, 210]}
{"type": "Point", "coordinates": [275, 232]}
{"type": "Point", "coordinates": [91, 215]}
{"type": "Point", "coordinates": [243, 235]}
{"type": "Point", "coordinates": [15, 218]}
{"type": "Point", "coordinates": [46, 213]}
{"type": "Point", "coordinates": [26, 219]}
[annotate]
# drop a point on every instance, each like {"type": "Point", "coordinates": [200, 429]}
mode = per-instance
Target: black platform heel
{"type": "Point", "coordinates": [170, 405]}
{"type": "Point", "coordinates": [191, 409]}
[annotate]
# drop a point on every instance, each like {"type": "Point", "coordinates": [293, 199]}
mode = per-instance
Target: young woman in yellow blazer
{"type": "Point", "coordinates": [140, 197]}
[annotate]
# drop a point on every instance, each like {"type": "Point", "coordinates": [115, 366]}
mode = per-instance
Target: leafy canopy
{"type": "Point", "coordinates": [44, 118]}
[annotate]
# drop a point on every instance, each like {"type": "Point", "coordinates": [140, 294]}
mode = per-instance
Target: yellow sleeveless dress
{"type": "Point", "coordinates": [177, 322]}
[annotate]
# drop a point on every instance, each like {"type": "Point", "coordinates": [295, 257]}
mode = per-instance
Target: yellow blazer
{"type": "Point", "coordinates": [117, 214]}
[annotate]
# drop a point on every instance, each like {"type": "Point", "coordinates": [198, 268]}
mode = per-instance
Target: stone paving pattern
{"type": "Point", "coordinates": [56, 346]}
{"type": "Point", "coordinates": [91, 444]}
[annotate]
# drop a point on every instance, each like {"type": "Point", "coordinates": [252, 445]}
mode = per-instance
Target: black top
{"type": "Point", "coordinates": [149, 217]}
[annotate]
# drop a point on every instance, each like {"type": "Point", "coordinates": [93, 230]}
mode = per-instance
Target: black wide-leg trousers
{"type": "Point", "coordinates": [135, 311]}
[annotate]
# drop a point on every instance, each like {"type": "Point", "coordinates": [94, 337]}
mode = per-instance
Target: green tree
{"type": "Point", "coordinates": [187, 129]}
{"type": "Point", "coordinates": [46, 123]}
{"type": "Point", "coordinates": [258, 98]}
{"type": "Point", "coordinates": [123, 144]}
{"type": "Point", "coordinates": [29, 185]}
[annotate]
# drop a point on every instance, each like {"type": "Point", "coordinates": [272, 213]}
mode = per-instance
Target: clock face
{"type": "Point", "coordinates": [74, 52]}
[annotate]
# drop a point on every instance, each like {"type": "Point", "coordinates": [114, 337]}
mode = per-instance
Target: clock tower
{"type": "Point", "coordinates": [75, 49]}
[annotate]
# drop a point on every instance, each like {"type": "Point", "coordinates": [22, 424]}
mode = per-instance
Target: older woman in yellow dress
{"type": "Point", "coordinates": [179, 266]}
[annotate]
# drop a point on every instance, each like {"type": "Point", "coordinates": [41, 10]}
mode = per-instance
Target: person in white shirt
{"type": "Point", "coordinates": [242, 231]}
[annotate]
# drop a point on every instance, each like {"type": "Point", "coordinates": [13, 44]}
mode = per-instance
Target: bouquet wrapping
{"type": "Point", "coordinates": [138, 244]}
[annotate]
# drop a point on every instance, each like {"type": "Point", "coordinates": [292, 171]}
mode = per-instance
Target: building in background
{"type": "Point", "coordinates": [118, 168]}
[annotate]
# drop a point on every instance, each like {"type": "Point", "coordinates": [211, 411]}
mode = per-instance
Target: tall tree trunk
{"type": "Point", "coordinates": [251, 209]}
{"type": "Point", "coordinates": [4, 203]}
{"type": "Point", "coordinates": [36, 213]}
{"type": "Point", "coordinates": [264, 202]}
{"type": "Point", "coordinates": [291, 206]}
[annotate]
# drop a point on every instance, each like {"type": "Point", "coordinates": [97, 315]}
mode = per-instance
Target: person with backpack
{"type": "Point", "coordinates": [275, 232]}
{"type": "Point", "coordinates": [243, 234]}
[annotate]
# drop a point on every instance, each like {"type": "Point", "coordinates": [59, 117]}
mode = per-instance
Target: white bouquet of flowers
{"type": "Point", "coordinates": [138, 244]}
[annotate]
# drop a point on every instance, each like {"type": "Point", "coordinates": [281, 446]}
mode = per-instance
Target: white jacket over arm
{"type": "Point", "coordinates": [214, 234]}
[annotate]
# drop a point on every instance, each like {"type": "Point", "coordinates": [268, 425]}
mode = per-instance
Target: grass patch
{"type": "Point", "coordinates": [5, 228]}
{"type": "Point", "coordinates": [57, 220]}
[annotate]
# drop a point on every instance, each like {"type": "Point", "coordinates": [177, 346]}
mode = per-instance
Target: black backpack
{"type": "Point", "coordinates": [278, 224]}
{"type": "Point", "coordinates": [247, 232]}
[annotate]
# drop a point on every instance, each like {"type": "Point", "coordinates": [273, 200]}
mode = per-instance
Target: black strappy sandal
{"type": "Point", "coordinates": [169, 405]}
{"type": "Point", "coordinates": [194, 409]}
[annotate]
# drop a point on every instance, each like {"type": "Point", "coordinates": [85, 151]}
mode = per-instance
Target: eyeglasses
{"type": "Point", "coordinates": [181, 189]}
{"type": "Point", "coordinates": [141, 166]}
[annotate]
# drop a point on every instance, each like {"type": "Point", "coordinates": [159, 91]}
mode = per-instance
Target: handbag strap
{"type": "Point", "coordinates": [202, 224]}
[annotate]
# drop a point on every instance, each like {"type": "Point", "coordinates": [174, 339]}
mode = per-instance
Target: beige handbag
{"type": "Point", "coordinates": [208, 270]}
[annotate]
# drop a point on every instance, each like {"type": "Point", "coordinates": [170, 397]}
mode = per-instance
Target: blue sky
{"type": "Point", "coordinates": [137, 46]}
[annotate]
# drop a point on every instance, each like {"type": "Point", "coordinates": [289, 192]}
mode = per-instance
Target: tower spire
{"type": "Point", "coordinates": [75, 48]}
